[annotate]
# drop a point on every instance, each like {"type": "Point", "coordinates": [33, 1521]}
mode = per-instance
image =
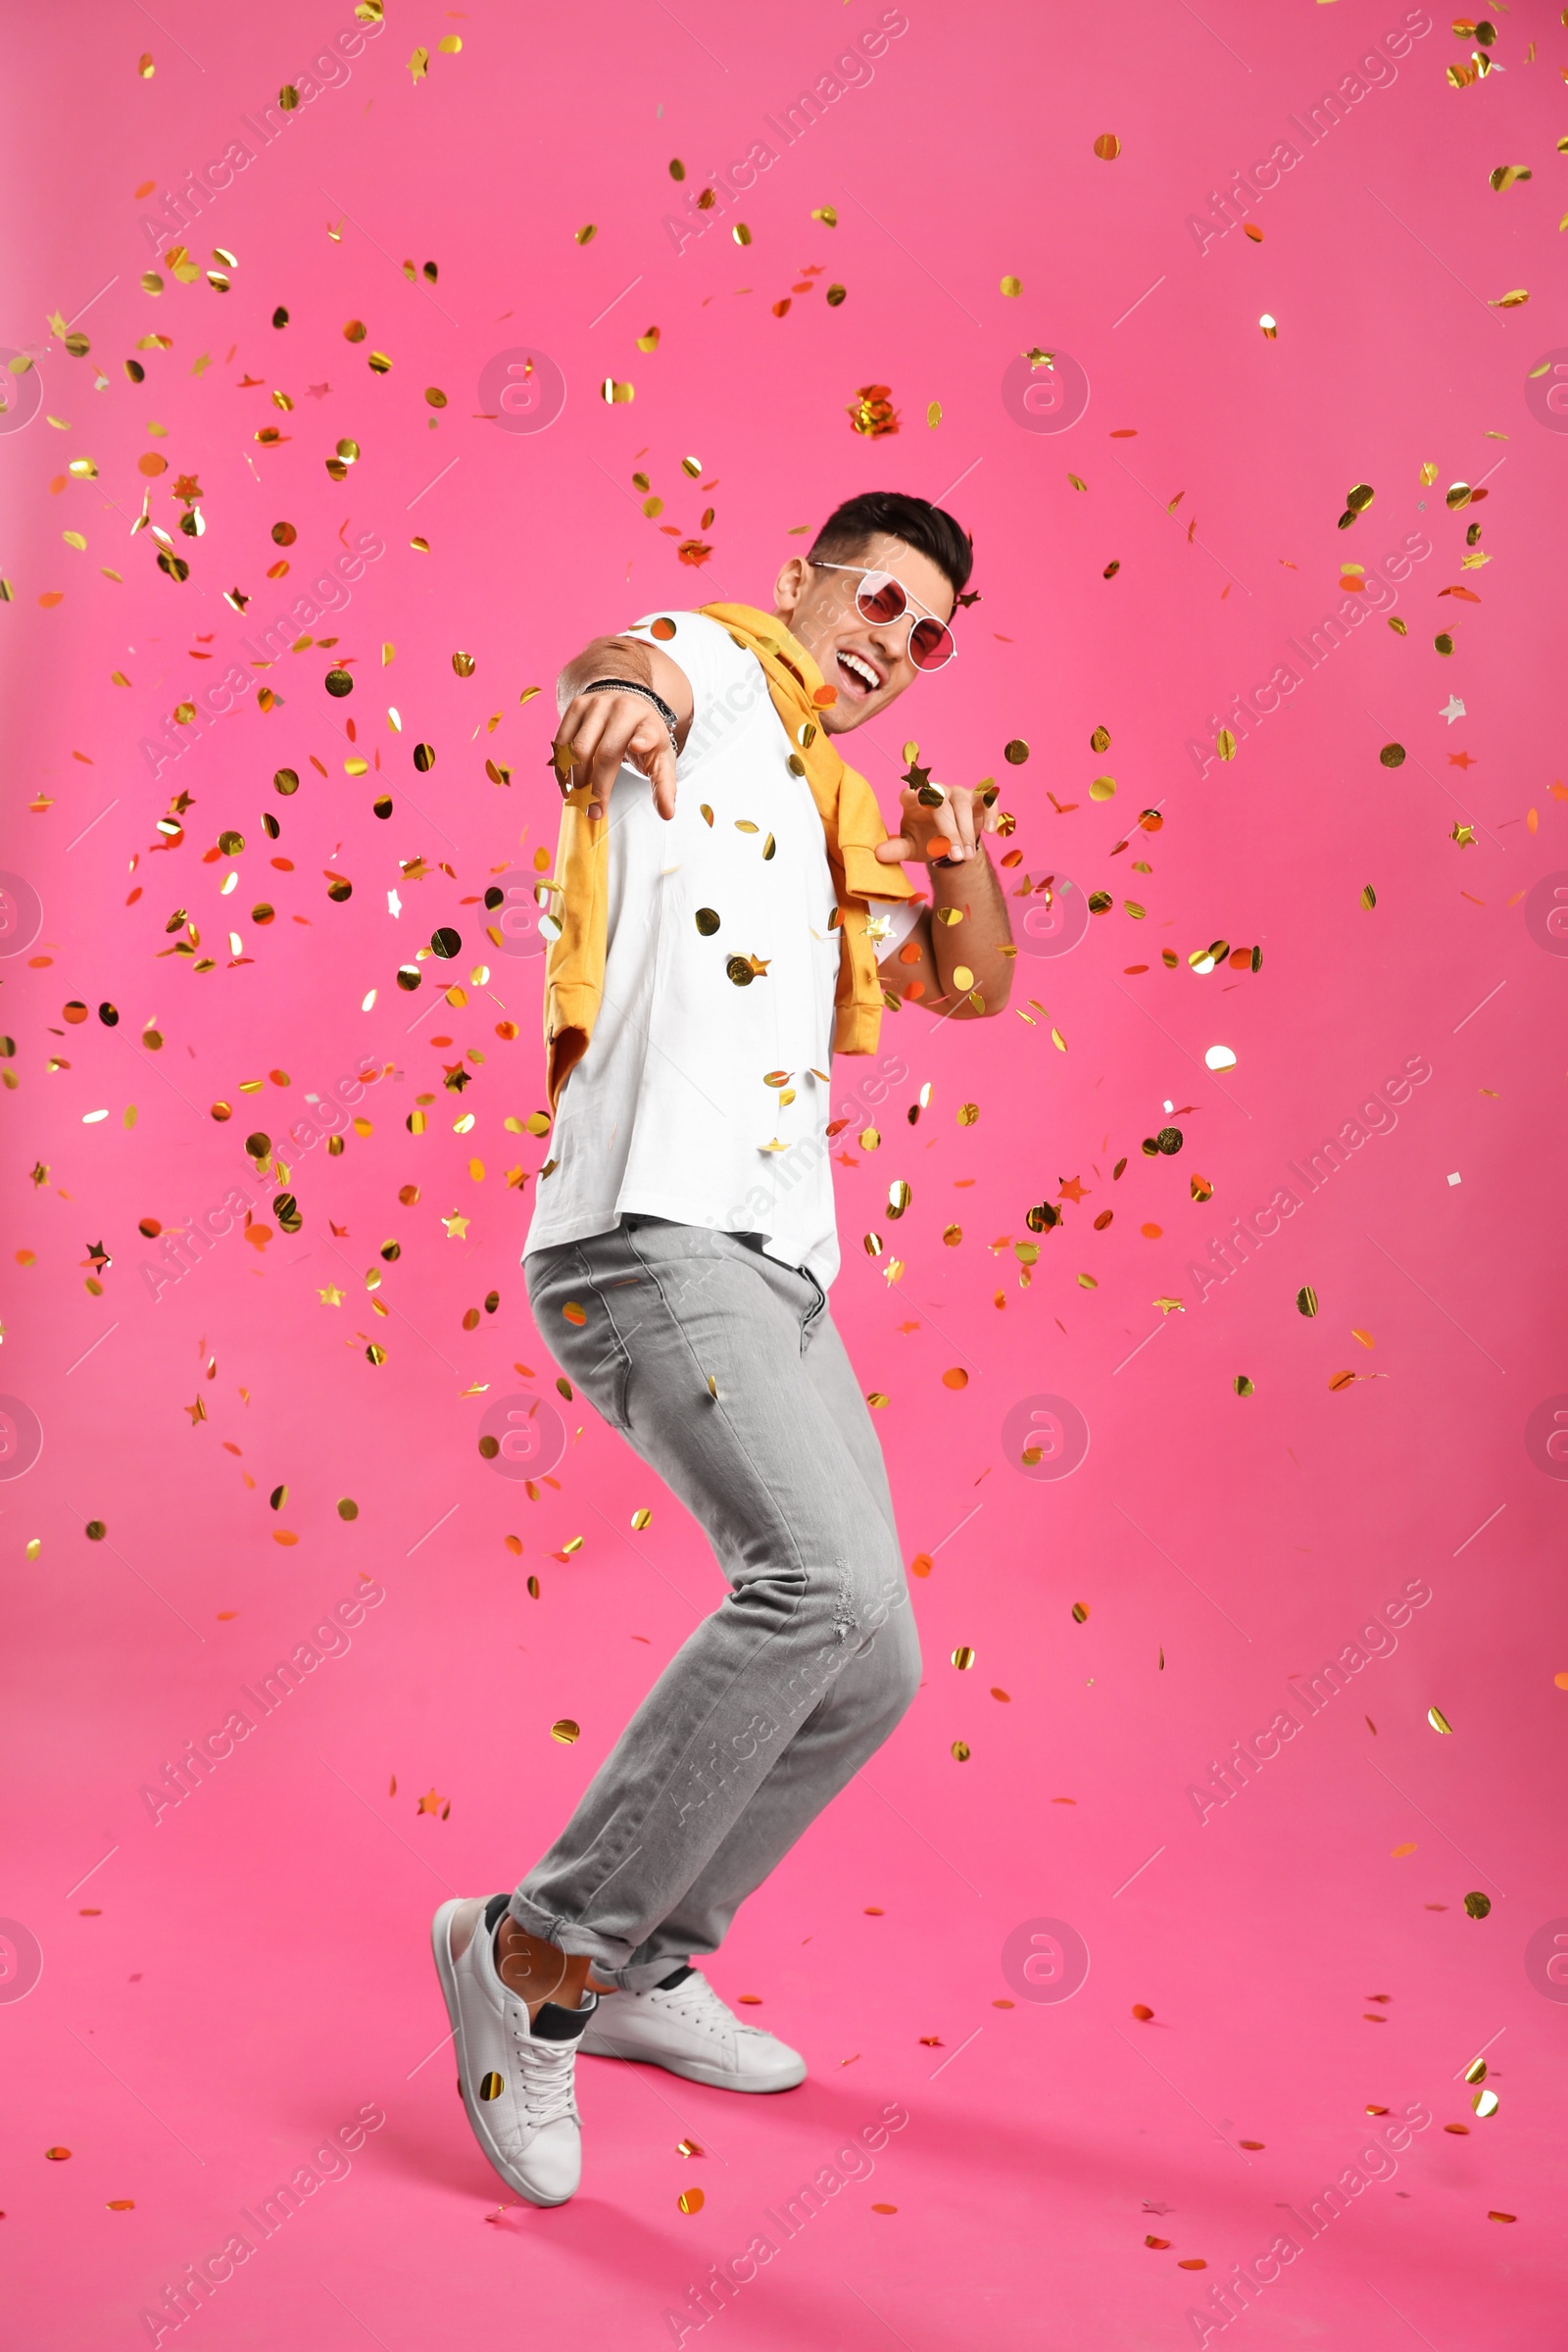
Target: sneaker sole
{"type": "Point", "coordinates": [441, 1953]}
{"type": "Point", "coordinates": [691, 2070]}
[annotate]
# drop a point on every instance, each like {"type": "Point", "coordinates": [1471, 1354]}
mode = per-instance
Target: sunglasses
{"type": "Point", "coordinates": [881, 599]}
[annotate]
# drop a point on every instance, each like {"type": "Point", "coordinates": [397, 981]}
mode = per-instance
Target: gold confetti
{"type": "Point", "coordinates": [690, 2200]}
{"type": "Point", "coordinates": [964, 1657]}
{"type": "Point", "coordinates": [565, 1731]}
{"type": "Point", "coordinates": [873, 412]}
{"type": "Point", "coordinates": [1012, 285]}
{"type": "Point", "coordinates": [1437, 1720]}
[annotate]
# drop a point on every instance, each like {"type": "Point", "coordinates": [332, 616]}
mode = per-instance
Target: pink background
{"type": "Point", "coordinates": [222, 1989]}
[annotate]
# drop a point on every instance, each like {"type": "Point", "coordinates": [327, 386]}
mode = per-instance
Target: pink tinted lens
{"type": "Point", "coordinates": [930, 645]}
{"type": "Point", "coordinates": [880, 596]}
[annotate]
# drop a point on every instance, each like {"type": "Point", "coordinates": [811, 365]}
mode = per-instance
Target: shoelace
{"type": "Point", "coordinates": [544, 2078]}
{"type": "Point", "coordinates": [696, 2000]}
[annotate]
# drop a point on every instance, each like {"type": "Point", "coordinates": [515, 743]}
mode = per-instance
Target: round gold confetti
{"type": "Point", "coordinates": [1080, 1612]}
{"type": "Point", "coordinates": [960, 1750]}
{"type": "Point", "coordinates": [565, 1731]}
{"type": "Point", "coordinates": [1012, 285]}
{"type": "Point", "coordinates": [963, 1658]}
{"type": "Point", "coordinates": [1392, 754]}
{"type": "Point", "coordinates": [1016, 752]}
{"type": "Point", "coordinates": [492, 2086]}
{"type": "Point", "coordinates": [347, 1507]}
{"type": "Point", "coordinates": [1243, 1386]}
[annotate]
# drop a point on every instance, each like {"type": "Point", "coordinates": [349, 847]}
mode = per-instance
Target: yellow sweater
{"type": "Point", "coordinates": [575, 965]}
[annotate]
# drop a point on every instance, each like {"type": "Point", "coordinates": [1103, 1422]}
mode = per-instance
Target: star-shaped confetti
{"type": "Point", "coordinates": [1071, 1189]}
{"type": "Point", "coordinates": [457, 1227]}
{"type": "Point", "coordinates": [197, 1411]}
{"type": "Point", "coordinates": [1460, 759]}
{"type": "Point", "coordinates": [332, 1295]}
{"type": "Point", "coordinates": [1452, 709]}
{"type": "Point", "coordinates": [38, 1172]}
{"type": "Point", "coordinates": [429, 1803]}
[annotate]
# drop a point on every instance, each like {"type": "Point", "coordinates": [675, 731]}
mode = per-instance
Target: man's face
{"type": "Point", "coordinates": [868, 661]}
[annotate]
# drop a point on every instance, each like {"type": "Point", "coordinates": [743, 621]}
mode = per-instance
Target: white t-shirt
{"type": "Point", "coordinates": [671, 1112]}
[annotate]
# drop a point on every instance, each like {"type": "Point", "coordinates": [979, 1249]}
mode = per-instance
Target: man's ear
{"type": "Point", "coordinates": [790, 586]}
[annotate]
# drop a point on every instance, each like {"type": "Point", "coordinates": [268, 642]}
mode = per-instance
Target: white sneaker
{"type": "Point", "coordinates": [515, 2077]}
{"type": "Point", "coordinates": [684, 2027]}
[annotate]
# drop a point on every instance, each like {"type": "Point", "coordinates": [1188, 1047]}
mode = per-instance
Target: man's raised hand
{"type": "Point", "coordinates": [945, 828]}
{"type": "Point", "coordinates": [600, 734]}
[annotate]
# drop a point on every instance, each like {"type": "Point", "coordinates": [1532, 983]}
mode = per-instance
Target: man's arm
{"type": "Point", "coordinates": [960, 949]}
{"type": "Point", "coordinates": [601, 733]}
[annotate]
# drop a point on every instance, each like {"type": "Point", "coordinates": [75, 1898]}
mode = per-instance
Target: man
{"type": "Point", "coordinates": [729, 908]}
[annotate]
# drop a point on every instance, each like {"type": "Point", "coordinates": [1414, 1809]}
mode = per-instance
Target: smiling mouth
{"type": "Point", "coordinates": [861, 674]}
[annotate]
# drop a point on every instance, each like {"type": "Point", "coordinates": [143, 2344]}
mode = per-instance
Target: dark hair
{"type": "Point", "coordinates": [928, 529]}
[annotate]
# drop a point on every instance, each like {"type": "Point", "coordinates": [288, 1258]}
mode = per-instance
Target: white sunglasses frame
{"type": "Point", "coordinates": [913, 610]}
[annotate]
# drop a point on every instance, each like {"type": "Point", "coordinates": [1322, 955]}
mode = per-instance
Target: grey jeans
{"type": "Point", "coordinates": [722, 1368]}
